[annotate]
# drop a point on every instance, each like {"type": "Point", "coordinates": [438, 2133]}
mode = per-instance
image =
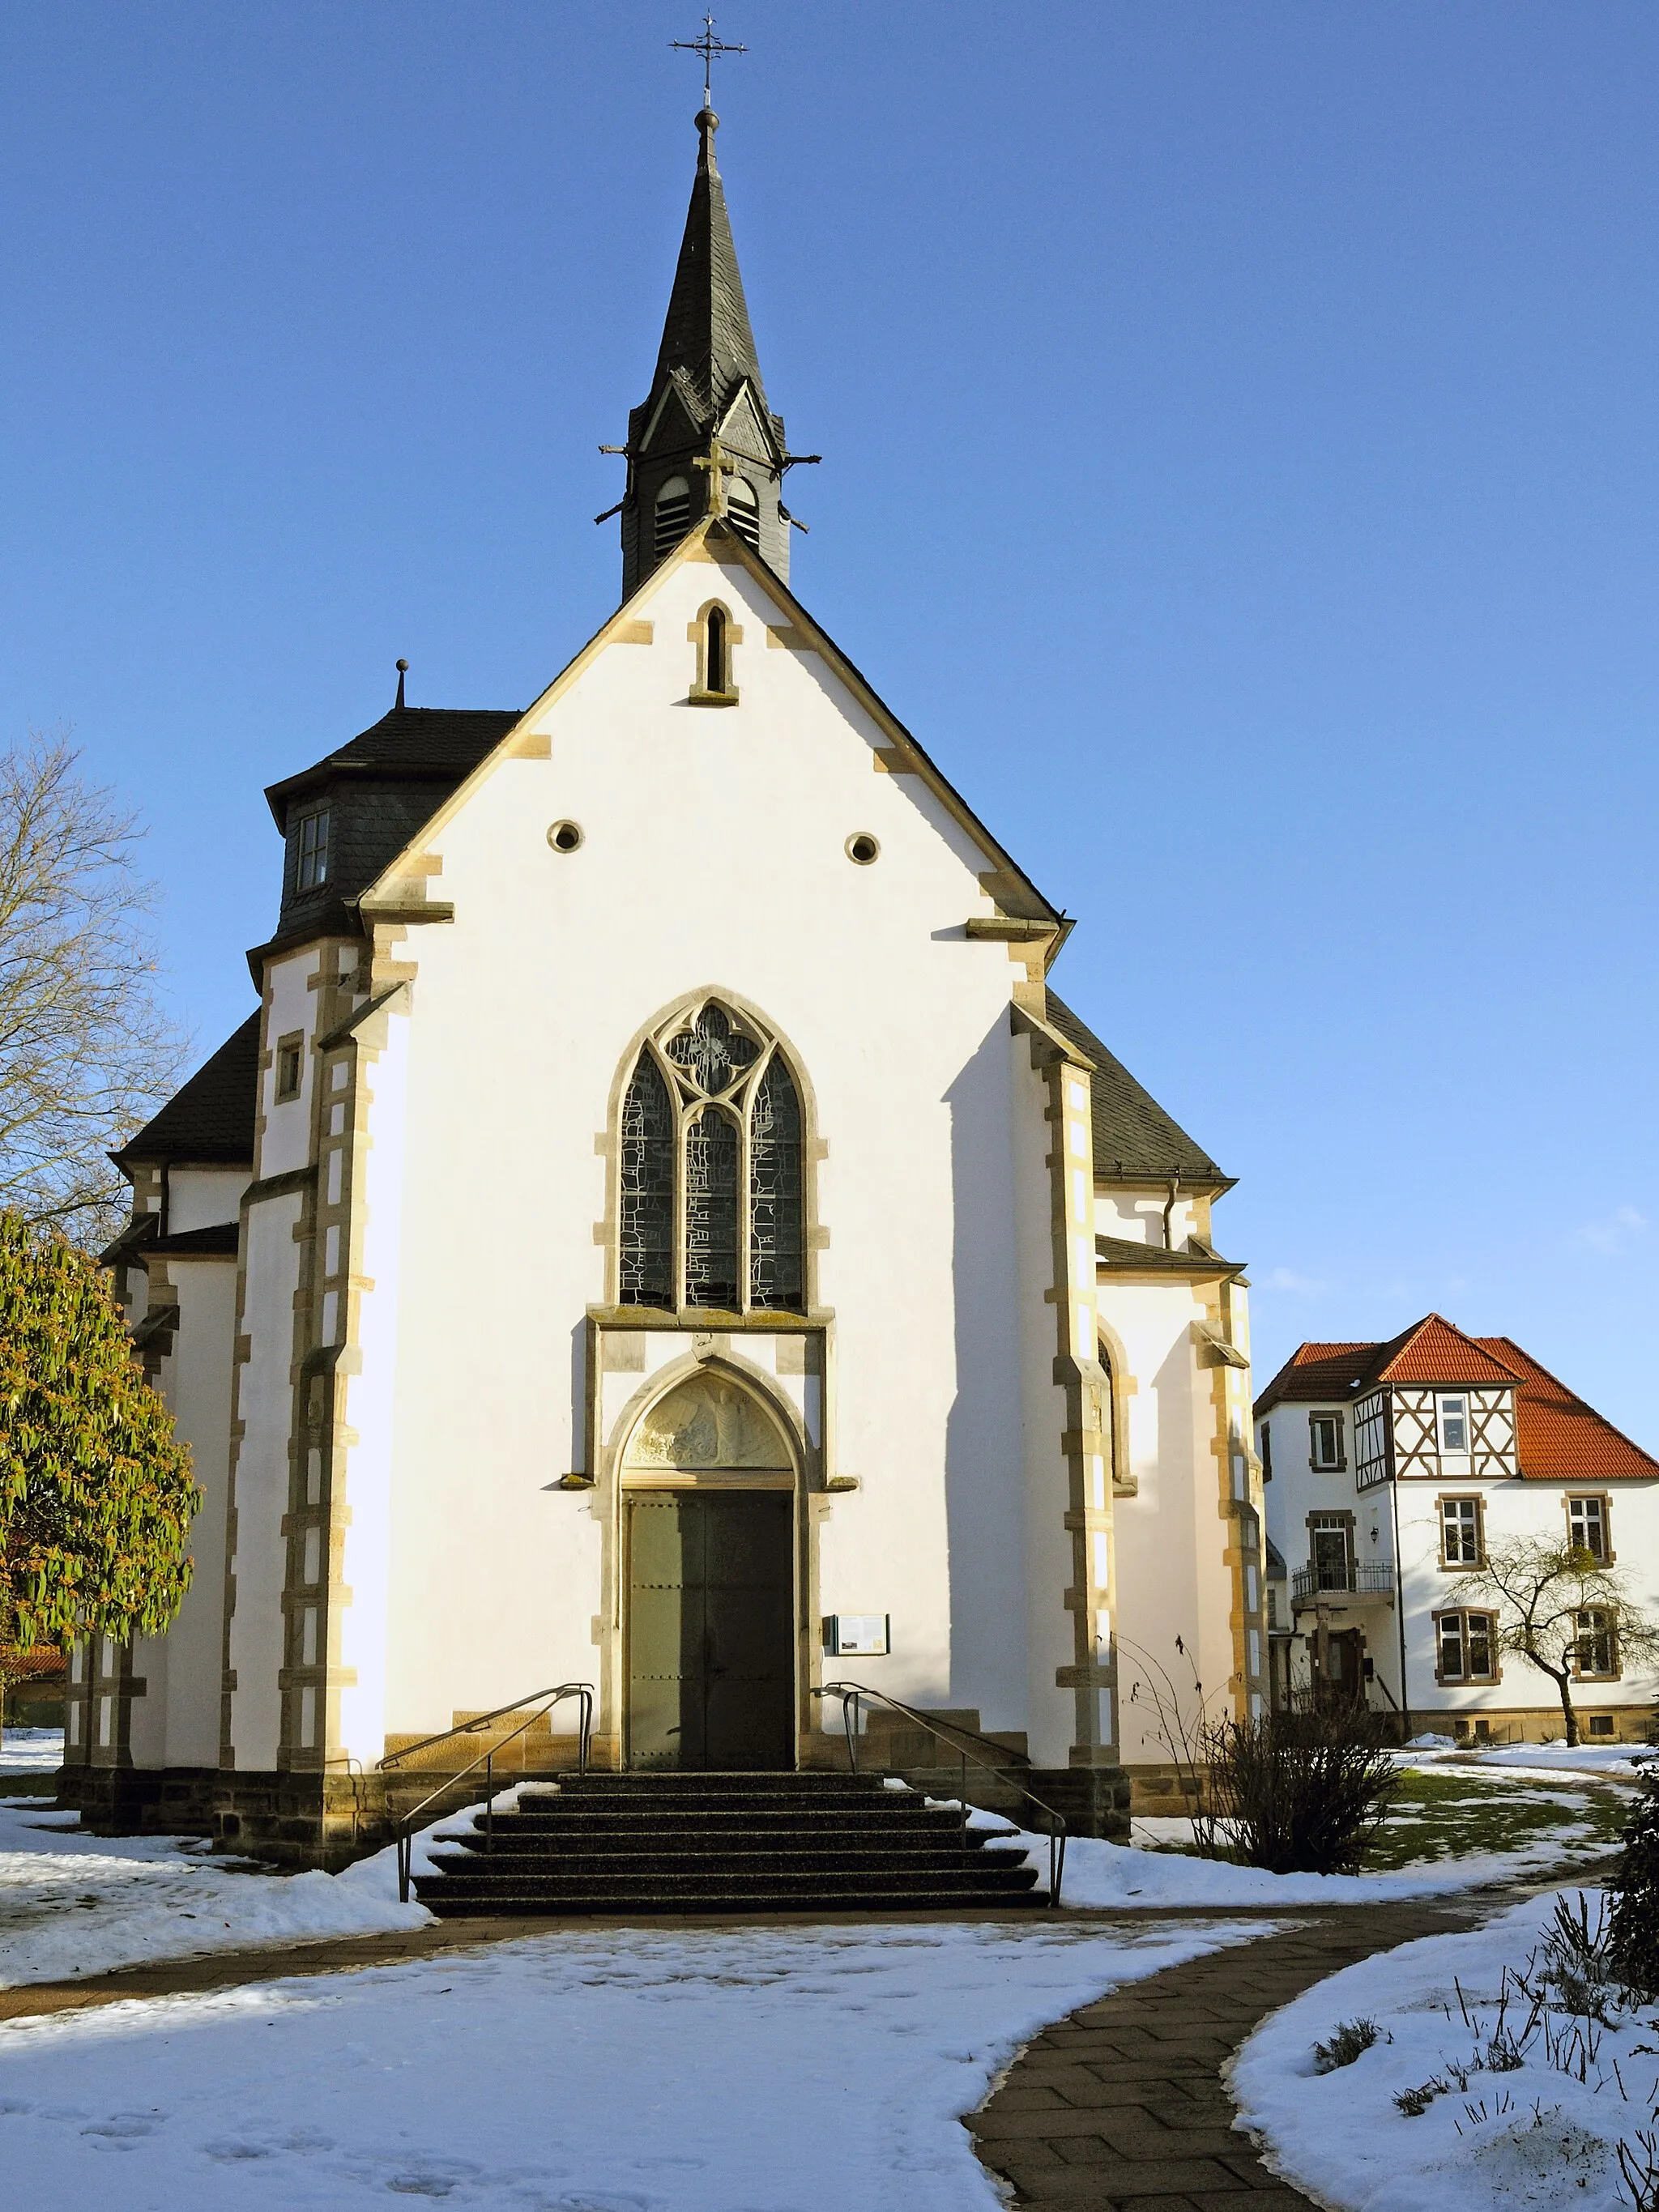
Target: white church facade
{"type": "Point", "coordinates": [704, 1282]}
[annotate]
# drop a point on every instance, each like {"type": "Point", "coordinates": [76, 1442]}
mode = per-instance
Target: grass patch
{"type": "Point", "coordinates": [1442, 1816]}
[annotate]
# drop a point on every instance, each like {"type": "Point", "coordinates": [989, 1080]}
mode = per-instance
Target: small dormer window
{"type": "Point", "coordinates": [743, 508]}
{"type": "Point", "coordinates": [311, 856]}
{"type": "Point", "coordinates": [673, 514]}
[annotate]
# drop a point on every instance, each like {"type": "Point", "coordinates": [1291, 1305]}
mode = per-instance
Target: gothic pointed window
{"type": "Point", "coordinates": [743, 509]}
{"type": "Point", "coordinates": [715, 676]}
{"type": "Point", "coordinates": [673, 514]}
{"type": "Point", "coordinates": [711, 1210]}
{"type": "Point", "coordinates": [776, 1275]}
{"type": "Point", "coordinates": [648, 1190]}
{"type": "Point", "coordinates": [712, 1182]}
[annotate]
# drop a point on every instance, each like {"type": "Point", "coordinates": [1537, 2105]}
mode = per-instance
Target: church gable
{"type": "Point", "coordinates": [799, 718]}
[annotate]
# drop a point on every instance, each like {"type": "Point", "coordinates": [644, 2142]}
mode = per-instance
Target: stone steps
{"type": "Point", "coordinates": [723, 1843]}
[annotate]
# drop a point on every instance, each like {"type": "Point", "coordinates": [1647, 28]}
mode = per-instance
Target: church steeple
{"type": "Point", "coordinates": [706, 386]}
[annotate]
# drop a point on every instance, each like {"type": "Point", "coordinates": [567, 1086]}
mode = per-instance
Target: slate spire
{"type": "Point", "coordinates": [706, 332]}
{"type": "Point", "coordinates": [707, 386]}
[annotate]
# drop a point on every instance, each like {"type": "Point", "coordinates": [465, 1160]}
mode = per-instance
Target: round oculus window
{"type": "Point", "coordinates": [862, 848]}
{"type": "Point", "coordinates": [565, 836]}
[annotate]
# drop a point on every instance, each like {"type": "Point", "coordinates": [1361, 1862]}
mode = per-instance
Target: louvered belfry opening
{"type": "Point", "coordinates": [711, 1186]}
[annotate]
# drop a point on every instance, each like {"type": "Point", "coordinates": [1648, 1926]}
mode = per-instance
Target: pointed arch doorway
{"type": "Point", "coordinates": [709, 1534]}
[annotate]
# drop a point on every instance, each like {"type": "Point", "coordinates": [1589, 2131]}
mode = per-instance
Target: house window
{"type": "Point", "coordinates": [1453, 1415]}
{"type": "Point", "coordinates": [1595, 1654]}
{"type": "Point", "coordinates": [743, 510]}
{"type": "Point", "coordinates": [1466, 1647]}
{"type": "Point", "coordinates": [1589, 1529]}
{"type": "Point", "coordinates": [711, 1179]}
{"type": "Point", "coordinates": [1325, 1442]}
{"type": "Point", "coordinates": [290, 1065]}
{"type": "Point", "coordinates": [1330, 1546]}
{"type": "Point", "coordinates": [1266, 1451]}
{"type": "Point", "coordinates": [1461, 1532]}
{"type": "Point", "coordinates": [1601, 1723]}
{"type": "Point", "coordinates": [673, 514]}
{"type": "Point", "coordinates": [311, 851]}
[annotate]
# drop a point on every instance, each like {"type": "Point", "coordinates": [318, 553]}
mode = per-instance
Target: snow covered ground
{"type": "Point", "coordinates": [30, 1751]}
{"type": "Point", "coordinates": [755, 2071]}
{"type": "Point", "coordinates": [1108, 1876]}
{"type": "Point", "coordinates": [1536, 2135]}
{"type": "Point", "coordinates": [71, 1904]}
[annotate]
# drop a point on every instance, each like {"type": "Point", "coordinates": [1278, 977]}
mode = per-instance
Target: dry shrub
{"type": "Point", "coordinates": [1303, 1791]}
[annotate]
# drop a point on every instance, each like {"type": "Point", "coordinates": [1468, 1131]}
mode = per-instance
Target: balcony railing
{"type": "Point", "coordinates": [1309, 1585]}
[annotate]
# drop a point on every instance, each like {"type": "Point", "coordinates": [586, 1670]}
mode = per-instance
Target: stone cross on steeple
{"type": "Point", "coordinates": [718, 468]}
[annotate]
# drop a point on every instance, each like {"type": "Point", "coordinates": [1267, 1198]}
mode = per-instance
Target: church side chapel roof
{"type": "Point", "coordinates": [382, 787]}
{"type": "Point", "coordinates": [208, 1122]}
{"type": "Point", "coordinates": [1559, 1438]}
{"type": "Point", "coordinates": [1135, 1140]}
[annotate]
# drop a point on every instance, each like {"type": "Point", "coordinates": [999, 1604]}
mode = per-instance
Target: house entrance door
{"type": "Point", "coordinates": [710, 1630]}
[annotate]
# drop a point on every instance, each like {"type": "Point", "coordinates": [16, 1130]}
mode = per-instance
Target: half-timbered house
{"type": "Point", "coordinates": [1390, 1469]}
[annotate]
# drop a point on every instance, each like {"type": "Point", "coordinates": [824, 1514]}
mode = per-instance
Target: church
{"type": "Point", "coordinates": [715, 1288]}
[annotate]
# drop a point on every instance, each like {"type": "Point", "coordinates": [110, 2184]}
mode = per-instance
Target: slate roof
{"type": "Point", "coordinates": [219, 1242]}
{"type": "Point", "coordinates": [380, 787]}
{"type": "Point", "coordinates": [706, 333]}
{"type": "Point", "coordinates": [1558, 1437]}
{"type": "Point", "coordinates": [208, 1122]}
{"type": "Point", "coordinates": [1135, 1140]}
{"type": "Point", "coordinates": [1152, 1259]}
{"type": "Point", "coordinates": [1431, 1351]}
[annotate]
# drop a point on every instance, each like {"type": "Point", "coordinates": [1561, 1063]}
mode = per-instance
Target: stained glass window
{"type": "Point", "coordinates": [648, 1190]}
{"type": "Point", "coordinates": [711, 1210]}
{"type": "Point", "coordinates": [711, 1052]}
{"type": "Point", "coordinates": [776, 1277]}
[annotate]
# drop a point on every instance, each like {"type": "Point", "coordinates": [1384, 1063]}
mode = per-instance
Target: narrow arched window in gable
{"type": "Point", "coordinates": [776, 1239]}
{"type": "Point", "coordinates": [673, 515]}
{"type": "Point", "coordinates": [646, 1193]}
{"type": "Point", "coordinates": [711, 1210]}
{"type": "Point", "coordinates": [711, 1167]}
{"type": "Point", "coordinates": [716, 661]}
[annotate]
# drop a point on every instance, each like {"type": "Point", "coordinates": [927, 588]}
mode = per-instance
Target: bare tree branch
{"type": "Point", "coordinates": [86, 1053]}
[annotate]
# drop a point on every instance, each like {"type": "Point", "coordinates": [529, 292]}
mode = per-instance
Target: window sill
{"type": "Point", "coordinates": [1461, 1566]}
{"type": "Point", "coordinates": [712, 699]}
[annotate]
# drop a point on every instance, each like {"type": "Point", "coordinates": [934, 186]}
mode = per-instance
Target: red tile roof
{"type": "Point", "coordinates": [1429, 1351]}
{"type": "Point", "coordinates": [1560, 1439]}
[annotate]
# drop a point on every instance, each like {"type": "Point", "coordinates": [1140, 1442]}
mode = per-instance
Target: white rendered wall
{"type": "Point", "coordinates": [714, 856]}
{"type": "Point", "coordinates": [1172, 1534]}
{"type": "Point", "coordinates": [265, 1407]}
{"type": "Point", "coordinates": [176, 1723]}
{"type": "Point", "coordinates": [203, 1198]}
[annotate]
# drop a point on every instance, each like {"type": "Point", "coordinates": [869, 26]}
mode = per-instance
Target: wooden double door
{"type": "Point", "coordinates": [710, 1630]}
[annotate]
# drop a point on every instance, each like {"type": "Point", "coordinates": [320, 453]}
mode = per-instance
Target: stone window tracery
{"type": "Point", "coordinates": [711, 1176]}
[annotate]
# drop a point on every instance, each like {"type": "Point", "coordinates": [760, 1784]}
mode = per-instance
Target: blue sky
{"type": "Point", "coordinates": [1243, 414]}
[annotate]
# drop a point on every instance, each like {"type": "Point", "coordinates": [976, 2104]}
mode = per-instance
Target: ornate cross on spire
{"type": "Point", "coordinates": [708, 45]}
{"type": "Point", "coordinates": [719, 468]}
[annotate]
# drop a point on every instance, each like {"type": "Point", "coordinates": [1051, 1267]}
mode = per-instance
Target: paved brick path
{"type": "Point", "coordinates": [1120, 2107]}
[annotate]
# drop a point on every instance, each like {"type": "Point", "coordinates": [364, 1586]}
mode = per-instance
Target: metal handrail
{"type": "Point", "coordinates": [851, 1693]}
{"type": "Point", "coordinates": [543, 1701]}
